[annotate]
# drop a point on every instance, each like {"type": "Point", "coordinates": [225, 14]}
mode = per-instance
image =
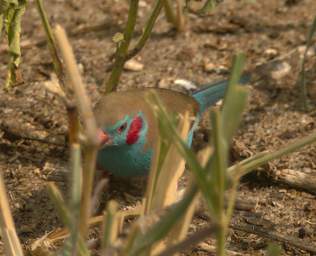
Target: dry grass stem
{"type": "Point", "coordinates": [11, 241]}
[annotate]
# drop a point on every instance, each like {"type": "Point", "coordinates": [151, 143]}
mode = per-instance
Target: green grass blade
{"type": "Point", "coordinates": [235, 99]}
{"type": "Point", "coordinates": [65, 215]}
{"type": "Point", "coordinates": [159, 230]}
{"type": "Point", "coordinates": [255, 162]}
{"type": "Point", "coordinates": [185, 151]}
{"type": "Point", "coordinates": [50, 40]}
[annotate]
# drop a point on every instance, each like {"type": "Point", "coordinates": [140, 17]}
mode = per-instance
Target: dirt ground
{"type": "Point", "coordinates": [33, 123]}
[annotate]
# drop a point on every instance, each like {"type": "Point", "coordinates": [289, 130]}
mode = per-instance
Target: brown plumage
{"type": "Point", "coordinates": [116, 105]}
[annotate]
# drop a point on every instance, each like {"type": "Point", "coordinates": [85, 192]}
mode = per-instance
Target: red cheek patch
{"type": "Point", "coordinates": [134, 129]}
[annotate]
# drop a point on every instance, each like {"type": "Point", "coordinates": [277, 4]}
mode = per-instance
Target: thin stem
{"type": "Point", "coordinates": [88, 176]}
{"type": "Point", "coordinates": [147, 31]}
{"type": "Point", "coordinates": [50, 40]}
{"type": "Point", "coordinates": [220, 163]}
{"type": "Point", "coordinates": [121, 51]}
{"type": "Point", "coordinates": [12, 245]}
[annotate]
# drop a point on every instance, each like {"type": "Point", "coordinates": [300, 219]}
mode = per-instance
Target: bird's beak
{"type": "Point", "coordinates": [103, 138]}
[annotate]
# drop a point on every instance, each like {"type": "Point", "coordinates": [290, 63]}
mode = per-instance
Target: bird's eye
{"type": "Point", "coordinates": [122, 128]}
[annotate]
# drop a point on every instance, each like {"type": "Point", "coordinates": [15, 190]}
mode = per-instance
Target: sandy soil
{"type": "Point", "coordinates": [33, 123]}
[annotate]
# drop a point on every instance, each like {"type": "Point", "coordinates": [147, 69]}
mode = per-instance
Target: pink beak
{"type": "Point", "coordinates": [103, 137]}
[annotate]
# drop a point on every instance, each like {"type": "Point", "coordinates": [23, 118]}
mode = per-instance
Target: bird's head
{"type": "Point", "coordinates": [128, 130]}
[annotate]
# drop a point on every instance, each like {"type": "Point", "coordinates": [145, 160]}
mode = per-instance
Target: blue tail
{"type": "Point", "coordinates": [209, 94]}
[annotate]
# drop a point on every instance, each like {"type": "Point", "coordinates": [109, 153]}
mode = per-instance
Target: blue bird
{"type": "Point", "coordinates": [128, 128]}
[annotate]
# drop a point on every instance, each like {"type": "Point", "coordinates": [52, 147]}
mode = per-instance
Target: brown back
{"type": "Point", "coordinates": [116, 105]}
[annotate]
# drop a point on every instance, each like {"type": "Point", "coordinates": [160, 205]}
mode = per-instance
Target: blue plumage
{"type": "Point", "coordinates": [127, 126]}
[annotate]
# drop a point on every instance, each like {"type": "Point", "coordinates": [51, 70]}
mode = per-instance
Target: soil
{"type": "Point", "coordinates": [33, 123]}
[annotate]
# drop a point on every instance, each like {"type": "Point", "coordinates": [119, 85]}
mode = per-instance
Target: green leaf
{"type": "Point", "coordinates": [118, 37]}
{"type": "Point", "coordinates": [235, 99]}
{"type": "Point", "coordinates": [13, 17]}
{"type": "Point", "coordinates": [208, 7]}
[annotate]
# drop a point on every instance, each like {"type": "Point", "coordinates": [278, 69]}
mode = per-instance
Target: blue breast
{"type": "Point", "coordinates": [125, 160]}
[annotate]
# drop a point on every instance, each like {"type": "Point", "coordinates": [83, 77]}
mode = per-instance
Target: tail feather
{"type": "Point", "coordinates": [209, 94]}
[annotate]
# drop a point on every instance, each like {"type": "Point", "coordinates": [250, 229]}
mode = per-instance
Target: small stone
{"type": "Point", "coordinates": [271, 53]}
{"type": "Point", "coordinates": [133, 65]}
{"type": "Point", "coordinates": [166, 83]}
{"type": "Point", "coordinates": [17, 205]}
{"type": "Point", "coordinates": [209, 67]}
{"type": "Point", "coordinates": [185, 84]}
{"type": "Point", "coordinates": [37, 171]}
{"type": "Point", "coordinates": [281, 70]}
{"type": "Point", "coordinates": [310, 52]}
{"type": "Point", "coordinates": [212, 68]}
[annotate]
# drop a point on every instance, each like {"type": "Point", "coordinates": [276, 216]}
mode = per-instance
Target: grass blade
{"type": "Point", "coordinates": [66, 216]}
{"type": "Point", "coordinates": [159, 230]}
{"type": "Point", "coordinates": [301, 79]}
{"type": "Point", "coordinates": [50, 40]}
{"type": "Point", "coordinates": [12, 245]}
{"type": "Point", "coordinates": [76, 189]}
{"type": "Point", "coordinates": [110, 227]}
{"type": "Point", "coordinates": [254, 162]}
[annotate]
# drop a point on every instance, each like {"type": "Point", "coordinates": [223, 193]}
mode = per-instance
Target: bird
{"type": "Point", "coordinates": [128, 131]}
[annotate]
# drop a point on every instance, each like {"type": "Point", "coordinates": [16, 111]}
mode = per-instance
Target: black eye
{"type": "Point", "coordinates": [122, 128]}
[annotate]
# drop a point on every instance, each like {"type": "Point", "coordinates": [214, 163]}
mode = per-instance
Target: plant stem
{"type": "Point", "coordinates": [171, 17]}
{"type": "Point", "coordinates": [302, 78]}
{"type": "Point", "coordinates": [87, 185]}
{"type": "Point", "coordinates": [50, 40]}
{"type": "Point", "coordinates": [121, 51]}
{"type": "Point", "coordinates": [147, 31]}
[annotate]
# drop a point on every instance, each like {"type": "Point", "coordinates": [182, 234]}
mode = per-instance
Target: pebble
{"type": "Point", "coordinates": [133, 65]}
{"type": "Point", "coordinates": [212, 68]}
{"type": "Point", "coordinates": [271, 53]}
{"type": "Point", "coordinates": [185, 84]}
{"type": "Point", "coordinates": [311, 51]}
{"type": "Point", "coordinates": [281, 70]}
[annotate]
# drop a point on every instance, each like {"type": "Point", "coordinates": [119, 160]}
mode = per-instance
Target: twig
{"type": "Point", "coordinates": [274, 236]}
{"type": "Point", "coordinates": [298, 179]}
{"type": "Point", "coordinates": [97, 192]}
{"type": "Point", "coordinates": [302, 80]}
{"type": "Point", "coordinates": [190, 241]}
{"type": "Point", "coordinates": [122, 48]}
